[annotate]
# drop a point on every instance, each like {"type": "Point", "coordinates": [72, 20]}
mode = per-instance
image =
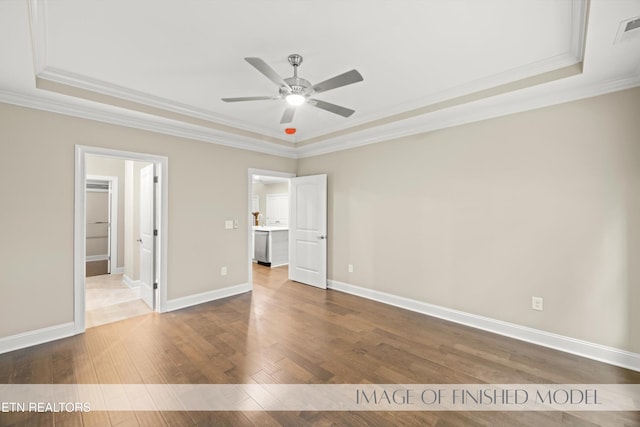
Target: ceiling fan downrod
{"type": "Point", "coordinates": [295, 60]}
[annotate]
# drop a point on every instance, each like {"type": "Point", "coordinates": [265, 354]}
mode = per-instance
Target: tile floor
{"type": "Point", "coordinates": [108, 299]}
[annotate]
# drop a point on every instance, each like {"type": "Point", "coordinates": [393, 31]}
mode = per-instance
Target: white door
{"type": "Point", "coordinates": [147, 239]}
{"type": "Point", "coordinates": [308, 230]}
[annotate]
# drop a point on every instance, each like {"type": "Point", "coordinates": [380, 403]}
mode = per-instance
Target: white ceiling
{"type": "Point", "coordinates": [164, 65]}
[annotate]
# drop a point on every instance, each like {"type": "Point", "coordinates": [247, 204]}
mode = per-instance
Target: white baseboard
{"type": "Point", "coordinates": [610, 355]}
{"type": "Point", "coordinates": [133, 284]}
{"type": "Point", "coordinates": [39, 336]}
{"type": "Point", "coordinates": [178, 303]}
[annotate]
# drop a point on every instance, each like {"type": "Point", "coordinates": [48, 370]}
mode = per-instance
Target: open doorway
{"type": "Point", "coordinates": [302, 237]}
{"type": "Point", "coordinates": [268, 222]}
{"type": "Point", "coordinates": [113, 216]}
{"type": "Point", "coordinates": [120, 227]}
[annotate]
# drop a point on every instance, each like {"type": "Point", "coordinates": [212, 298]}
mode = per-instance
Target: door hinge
{"type": "Point", "coordinates": [155, 285]}
{"type": "Point", "coordinates": [155, 232]}
{"type": "Point", "coordinates": [155, 179]}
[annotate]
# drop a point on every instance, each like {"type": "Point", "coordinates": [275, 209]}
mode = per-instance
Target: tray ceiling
{"type": "Point", "coordinates": [166, 64]}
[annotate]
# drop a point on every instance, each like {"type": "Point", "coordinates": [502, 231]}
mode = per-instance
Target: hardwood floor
{"type": "Point", "coordinates": [284, 332]}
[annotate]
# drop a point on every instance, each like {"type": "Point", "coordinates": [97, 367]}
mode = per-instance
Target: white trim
{"type": "Point", "coordinates": [188, 301]}
{"type": "Point", "coordinates": [87, 83]}
{"type": "Point", "coordinates": [250, 174]}
{"type": "Point", "coordinates": [279, 265]}
{"type": "Point", "coordinates": [509, 76]}
{"type": "Point", "coordinates": [38, 27]}
{"type": "Point", "coordinates": [162, 205]}
{"type": "Point", "coordinates": [578, 28]}
{"type": "Point", "coordinates": [497, 106]}
{"type": "Point", "coordinates": [92, 258]}
{"type": "Point", "coordinates": [117, 270]}
{"type": "Point", "coordinates": [93, 85]}
{"type": "Point", "coordinates": [610, 355]}
{"type": "Point", "coordinates": [572, 56]}
{"type": "Point", "coordinates": [79, 242]}
{"type": "Point", "coordinates": [100, 113]}
{"type": "Point", "coordinates": [35, 337]}
{"type": "Point", "coordinates": [133, 284]}
{"type": "Point", "coordinates": [488, 108]}
{"type": "Point", "coordinates": [423, 123]}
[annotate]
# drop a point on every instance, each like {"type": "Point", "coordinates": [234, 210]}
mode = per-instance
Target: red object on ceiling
{"type": "Point", "coordinates": [290, 131]}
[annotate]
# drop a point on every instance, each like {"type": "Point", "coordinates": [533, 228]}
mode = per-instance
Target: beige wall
{"type": "Point", "coordinates": [477, 218]}
{"type": "Point", "coordinates": [484, 216]}
{"type": "Point", "coordinates": [207, 184]}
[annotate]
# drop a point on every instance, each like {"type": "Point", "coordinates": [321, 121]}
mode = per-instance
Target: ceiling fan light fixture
{"type": "Point", "coordinates": [295, 99]}
{"type": "Point", "coordinates": [297, 91]}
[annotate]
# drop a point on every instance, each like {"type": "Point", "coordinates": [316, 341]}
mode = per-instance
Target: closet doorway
{"type": "Point", "coordinates": [101, 217]}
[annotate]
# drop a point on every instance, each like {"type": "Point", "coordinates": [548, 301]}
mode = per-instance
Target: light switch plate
{"type": "Point", "coordinates": [537, 303]}
{"type": "Point", "coordinates": [228, 224]}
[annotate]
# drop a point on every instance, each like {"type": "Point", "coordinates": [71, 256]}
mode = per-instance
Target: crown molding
{"type": "Point", "coordinates": [38, 30]}
{"type": "Point", "coordinates": [495, 106]}
{"type": "Point", "coordinates": [484, 109]}
{"type": "Point", "coordinates": [38, 18]}
{"type": "Point", "coordinates": [579, 18]}
{"type": "Point", "coordinates": [39, 46]}
{"type": "Point", "coordinates": [97, 86]}
{"type": "Point", "coordinates": [466, 113]}
{"type": "Point", "coordinates": [146, 122]}
{"type": "Point", "coordinates": [510, 76]}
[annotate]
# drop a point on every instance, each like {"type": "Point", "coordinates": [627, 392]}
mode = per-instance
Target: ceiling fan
{"type": "Point", "coordinates": [297, 91]}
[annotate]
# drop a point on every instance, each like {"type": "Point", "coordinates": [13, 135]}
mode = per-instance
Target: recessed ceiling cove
{"type": "Point", "coordinates": [426, 64]}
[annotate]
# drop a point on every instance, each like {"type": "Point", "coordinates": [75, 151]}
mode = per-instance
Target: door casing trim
{"type": "Point", "coordinates": [162, 209]}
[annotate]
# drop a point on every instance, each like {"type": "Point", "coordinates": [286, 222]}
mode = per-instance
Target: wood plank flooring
{"type": "Point", "coordinates": [284, 332]}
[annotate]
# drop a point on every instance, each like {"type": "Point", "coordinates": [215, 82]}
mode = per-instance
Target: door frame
{"type": "Point", "coordinates": [161, 207]}
{"type": "Point", "coordinates": [250, 174]}
{"type": "Point", "coordinates": [113, 219]}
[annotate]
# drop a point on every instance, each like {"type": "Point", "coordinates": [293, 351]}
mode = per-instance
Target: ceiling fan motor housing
{"type": "Point", "coordinates": [298, 86]}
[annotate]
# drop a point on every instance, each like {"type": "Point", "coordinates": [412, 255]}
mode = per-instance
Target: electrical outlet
{"type": "Point", "coordinates": [350, 268]}
{"type": "Point", "coordinates": [223, 271]}
{"type": "Point", "coordinates": [537, 303]}
{"type": "Point", "coordinates": [228, 224]}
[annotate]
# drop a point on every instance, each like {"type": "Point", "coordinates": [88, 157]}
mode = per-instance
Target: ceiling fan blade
{"type": "Point", "coordinates": [333, 108]}
{"type": "Point", "coordinates": [340, 80]}
{"type": "Point", "coordinates": [287, 116]}
{"type": "Point", "coordinates": [269, 72]}
{"type": "Point", "coordinates": [250, 98]}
